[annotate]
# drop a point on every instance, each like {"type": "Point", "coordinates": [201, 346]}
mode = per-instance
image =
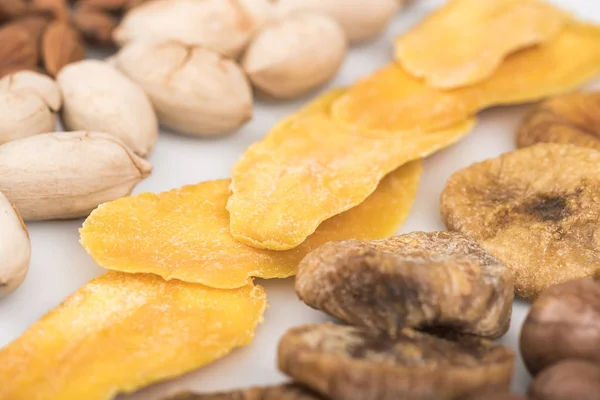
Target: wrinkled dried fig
{"type": "Point", "coordinates": [573, 118]}
{"type": "Point", "coordinates": [282, 392]}
{"type": "Point", "coordinates": [567, 380]}
{"type": "Point", "coordinates": [419, 280]}
{"type": "Point", "coordinates": [563, 323]}
{"type": "Point", "coordinates": [536, 209]}
{"type": "Point", "coordinates": [349, 363]}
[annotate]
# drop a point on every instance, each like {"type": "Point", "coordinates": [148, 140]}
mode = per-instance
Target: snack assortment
{"type": "Point", "coordinates": [320, 196]}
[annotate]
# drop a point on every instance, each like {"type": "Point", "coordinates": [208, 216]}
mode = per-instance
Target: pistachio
{"type": "Point", "coordinates": [100, 98]}
{"type": "Point", "coordinates": [67, 174]}
{"type": "Point", "coordinates": [361, 20]}
{"type": "Point", "coordinates": [15, 248]}
{"type": "Point", "coordinates": [193, 89]}
{"type": "Point", "coordinates": [224, 26]}
{"type": "Point", "coordinates": [295, 54]}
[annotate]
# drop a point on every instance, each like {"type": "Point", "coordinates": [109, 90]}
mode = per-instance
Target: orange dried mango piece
{"type": "Point", "coordinates": [184, 233]}
{"type": "Point", "coordinates": [466, 40]}
{"type": "Point", "coordinates": [121, 332]}
{"type": "Point", "coordinates": [393, 100]}
{"type": "Point", "coordinates": [310, 168]}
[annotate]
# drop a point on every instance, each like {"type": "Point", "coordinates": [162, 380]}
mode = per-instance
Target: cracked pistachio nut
{"type": "Point", "coordinates": [98, 97]}
{"type": "Point", "coordinates": [361, 20]}
{"type": "Point", "coordinates": [67, 174]}
{"type": "Point", "coordinates": [28, 102]}
{"type": "Point", "coordinates": [295, 54]}
{"type": "Point", "coordinates": [194, 90]}
{"type": "Point", "coordinates": [15, 248]}
{"type": "Point", "coordinates": [225, 26]}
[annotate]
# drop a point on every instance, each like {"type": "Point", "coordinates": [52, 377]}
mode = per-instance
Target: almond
{"type": "Point", "coordinates": [106, 5]}
{"type": "Point", "coordinates": [18, 49]}
{"type": "Point", "coordinates": [61, 45]}
{"type": "Point", "coordinates": [12, 8]}
{"type": "Point", "coordinates": [35, 24]}
{"type": "Point", "coordinates": [56, 9]}
{"type": "Point", "coordinates": [95, 26]}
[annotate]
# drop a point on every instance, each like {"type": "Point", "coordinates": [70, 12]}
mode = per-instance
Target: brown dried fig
{"type": "Point", "coordinates": [349, 363]}
{"type": "Point", "coordinates": [536, 209]}
{"type": "Point", "coordinates": [567, 380]}
{"type": "Point", "coordinates": [281, 392]}
{"type": "Point", "coordinates": [419, 280]}
{"type": "Point", "coordinates": [573, 118]}
{"type": "Point", "coordinates": [95, 26]}
{"type": "Point", "coordinates": [563, 323]}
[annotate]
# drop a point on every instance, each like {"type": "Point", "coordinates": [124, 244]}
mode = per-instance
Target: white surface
{"type": "Point", "coordinates": [59, 265]}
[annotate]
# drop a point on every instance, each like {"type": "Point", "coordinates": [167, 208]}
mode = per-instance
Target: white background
{"type": "Point", "coordinates": [59, 265]}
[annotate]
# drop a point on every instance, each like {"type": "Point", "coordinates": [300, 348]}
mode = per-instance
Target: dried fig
{"type": "Point", "coordinates": [563, 323]}
{"type": "Point", "coordinates": [420, 280]}
{"type": "Point", "coordinates": [567, 380]}
{"type": "Point", "coordinates": [349, 363]}
{"type": "Point", "coordinates": [573, 118]}
{"type": "Point", "coordinates": [282, 392]}
{"type": "Point", "coordinates": [536, 209]}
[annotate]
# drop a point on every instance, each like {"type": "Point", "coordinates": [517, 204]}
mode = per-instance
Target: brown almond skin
{"type": "Point", "coordinates": [350, 363]}
{"type": "Point", "coordinates": [281, 392]}
{"type": "Point", "coordinates": [567, 380]}
{"type": "Point", "coordinates": [35, 24]}
{"type": "Point", "coordinates": [55, 9]}
{"type": "Point", "coordinates": [18, 49]}
{"type": "Point", "coordinates": [61, 45]}
{"type": "Point", "coordinates": [495, 394]}
{"type": "Point", "coordinates": [563, 323]}
{"type": "Point", "coordinates": [95, 26]}
{"type": "Point", "coordinates": [11, 9]}
{"type": "Point", "coordinates": [102, 5]}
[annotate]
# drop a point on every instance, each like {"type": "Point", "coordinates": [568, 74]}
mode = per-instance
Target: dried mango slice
{"type": "Point", "coordinates": [184, 233]}
{"type": "Point", "coordinates": [310, 168]}
{"type": "Point", "coordinates": [393, 100]}
{"type": "Point", "coordinates": [466, 40]}
{"type": "Point", "coordinates": [121, 331]}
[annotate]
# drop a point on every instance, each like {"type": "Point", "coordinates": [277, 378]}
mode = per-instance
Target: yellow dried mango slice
{"type": "Point", "coordinates": [393, 100]}
{"type": "Point", "coordinates": [310, 168]}
{"type": "Point", "coordinates": [184, 233]}
{"type": "Point", "coordinates": [121, 332]}
{"type": "Point", "coordinates": [466, 40]}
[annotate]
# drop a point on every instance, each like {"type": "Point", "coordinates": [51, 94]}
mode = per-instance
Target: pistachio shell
{"type": "Point", "coordinates": [44, 86]}
{"type": "Point", "coordinates": [193, 89]}
{"type": "Point", "coordinates": [99, 97]}
{"type": "Point", "coordinates": [222, 25]}
{"type": "Point", "coordinates": [67, 174]}
{"type": "Point", "coordinates": [23, 113]}
{"type": "Point", "coordinates": [361, 20]}
{"type": "Point", "coordinates": [295, 54]}
{"type": "Point", "coordinates": [15, 248]}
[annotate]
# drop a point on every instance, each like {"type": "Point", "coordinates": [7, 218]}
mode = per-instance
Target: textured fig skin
{"type": "Point", "coordinates": [282, 392]}
{"type": "Point", "coordinates": [350, 363]}
{"type": "Point", "coordinates": [567, 380]}
{"type": "Point", "coordinates": [563, 323]}
{"type": "Point", "coordinates": [421, 280]}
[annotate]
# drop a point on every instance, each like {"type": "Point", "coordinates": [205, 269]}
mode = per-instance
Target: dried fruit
{"type": "Point", "coordinates": [15, 248]}
{"type": "Point", "coordinates": [536, 209]}
{"type": "Point", "coordinates": [186, 232]}
{"type": "Point", "coordinates": [282, 392]}
{"type": "Point", "coordinates": [127, 331]}
{"type": "Point", "coordinates": [67, 174]}
{"type": "Point", "coordinates": [194, 90]}
{"type": "Point", "coordinates": [393, 100]}
{"type": "Point", "coordinates": [284, 186]}
{"type": "Point", "coordinates": [18, 49]}
{"type": "Point", "coordinates": [193, 22]}
{"type": "Point", "coordinates": [567, 380]}
{"type": "Point", "coordinates": [571, 118]}
{"type": "Point", "coordinates": [347, 363]}
{"type": "Point", "coordinates": [361, 22]}
{"type": "Point", "coordinates": [295, 54]}
{"type": "Point", "coordinates": [419, 280]}
{"type": "Point", "coordinates": [43, 86]}
{"type": "Point", "coordinates": [465, 41]}
{"type": "Point", "coordinates": [99, 97]}
{"type": "Point", "coordinates": [95, 26]}
{"type": "Point", "coordinates": [563, 323]}
{"type": "Point", "coordinates": [61, 45]}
